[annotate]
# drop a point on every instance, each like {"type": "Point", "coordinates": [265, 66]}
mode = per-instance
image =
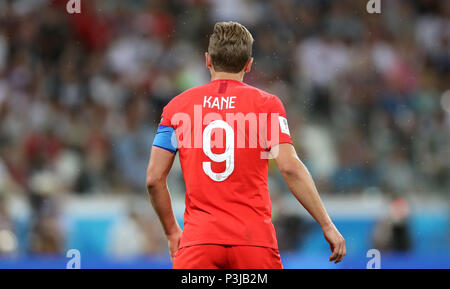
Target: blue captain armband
{"type": "Point", "coordinates": [166, 138]}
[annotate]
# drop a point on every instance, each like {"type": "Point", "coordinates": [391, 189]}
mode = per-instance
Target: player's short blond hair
{"type": "Point", "coordinates": [230, 47]}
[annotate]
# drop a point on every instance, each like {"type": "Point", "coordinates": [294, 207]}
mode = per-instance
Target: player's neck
{"type": "Point", "coordinates": [226, 75]}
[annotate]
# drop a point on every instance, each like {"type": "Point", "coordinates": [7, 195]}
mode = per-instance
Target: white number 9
{"type": "Point", "coordinates": [227, 156]}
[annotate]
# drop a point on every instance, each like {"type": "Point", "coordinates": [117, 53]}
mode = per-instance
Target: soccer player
{"type": "Point", "coordinates": [225, 132]}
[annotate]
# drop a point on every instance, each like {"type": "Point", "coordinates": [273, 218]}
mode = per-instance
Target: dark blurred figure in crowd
{"type": "Point", "coordinates": [46, 235]}
{"type": "Point", "coordinates": [392, 233]}
{"type": "Point", "coordinates": [8, 239]}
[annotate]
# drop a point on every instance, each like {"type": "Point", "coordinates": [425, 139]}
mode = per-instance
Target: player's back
{"type": "Point", "coordinates": [224, 130]}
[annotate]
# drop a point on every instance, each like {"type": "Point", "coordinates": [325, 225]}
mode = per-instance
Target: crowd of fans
{"type": "Point", "coordinates": [367, 95]}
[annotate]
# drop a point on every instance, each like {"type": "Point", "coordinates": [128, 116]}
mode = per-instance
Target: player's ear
{"type": "Point", "coordinates": [248, 66]}
{"type": "Point", "coordinates": [208, 60]}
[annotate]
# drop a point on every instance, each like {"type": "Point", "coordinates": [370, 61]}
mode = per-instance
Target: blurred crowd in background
{"type": "Point", "coordinates": [367, 95]}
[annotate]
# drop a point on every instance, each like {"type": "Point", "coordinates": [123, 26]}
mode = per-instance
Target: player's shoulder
{"type": "Point", "coordinates": [180, 100]}
{"type": "Point", "coordinates": [186, 96]}
{"type": "Point", "coordinates": [262, 96]}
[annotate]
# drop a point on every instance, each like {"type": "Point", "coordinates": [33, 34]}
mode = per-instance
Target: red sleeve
{"type": "Point", "coordinates": [165, 117]}
{"type": "Point", "coordinates": [278, 120]}
{"type": "Point", "coordinates": [168, 111]}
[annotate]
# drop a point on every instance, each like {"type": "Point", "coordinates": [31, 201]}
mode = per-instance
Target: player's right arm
{"type": "Point", "coordinates": [302, 186]}
{"type": "Point", "coordinates": [160, 163]}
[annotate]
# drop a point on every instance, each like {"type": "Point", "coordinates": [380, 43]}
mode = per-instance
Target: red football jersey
{"type": "Point", "coordinates": [224, 130]}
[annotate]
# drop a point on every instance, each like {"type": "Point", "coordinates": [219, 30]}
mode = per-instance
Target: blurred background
{"type": "Point", "coordinates": [367, 98]}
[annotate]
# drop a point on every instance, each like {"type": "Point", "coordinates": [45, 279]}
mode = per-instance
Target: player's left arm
{"type": "Point", "coordinates": [160, 163]}
{"type": "Point", "coordinates": [301, 183]}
